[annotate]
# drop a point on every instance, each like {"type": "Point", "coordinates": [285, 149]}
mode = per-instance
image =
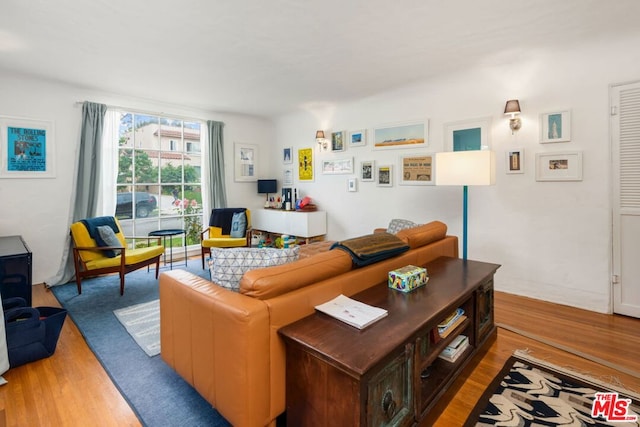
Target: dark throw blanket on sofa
{"type": "Point", "coordinates": [372, 248]}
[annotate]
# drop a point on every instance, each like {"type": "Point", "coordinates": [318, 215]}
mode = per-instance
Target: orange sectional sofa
{"type": "Point", "coordinates": [226, 344]}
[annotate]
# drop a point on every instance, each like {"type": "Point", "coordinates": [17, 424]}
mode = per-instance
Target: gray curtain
{"type": "Point", "coordinates": [87, 181]}
{"type": "Point", "coordinates": [218, 192]}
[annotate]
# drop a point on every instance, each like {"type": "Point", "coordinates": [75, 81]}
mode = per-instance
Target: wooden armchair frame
{"type": "Point", "coordinates": [122, 268]}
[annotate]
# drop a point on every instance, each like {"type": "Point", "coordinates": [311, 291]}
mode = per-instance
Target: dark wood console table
{"type": "Point", "coordinates": [389, 373]}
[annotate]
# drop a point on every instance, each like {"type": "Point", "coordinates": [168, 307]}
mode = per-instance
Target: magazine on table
{"type": "Point", "coordinates": [352, 312]}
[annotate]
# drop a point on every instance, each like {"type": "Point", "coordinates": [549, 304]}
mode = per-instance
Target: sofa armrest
{"type": "Point", "coordinates": [218, 341]}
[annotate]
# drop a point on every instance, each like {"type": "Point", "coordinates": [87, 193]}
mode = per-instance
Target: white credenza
{"type": "Point", "coordinates": [293, 223]}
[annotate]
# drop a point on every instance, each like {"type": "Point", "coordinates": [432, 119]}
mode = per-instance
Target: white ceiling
{"type": "Point", "coordinates": [269, 57]}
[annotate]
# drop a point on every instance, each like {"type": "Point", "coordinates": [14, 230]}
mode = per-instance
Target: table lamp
{"type": "Point", "coordinates": [465, 168]}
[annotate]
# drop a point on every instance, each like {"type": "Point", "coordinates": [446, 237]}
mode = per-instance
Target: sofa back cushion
{"type": "Point", "coordinates": [228, 265]}
{"type": "Point", "coordinates": [423, 234]}
{"type": "Point", "coordinates": [265, 283]}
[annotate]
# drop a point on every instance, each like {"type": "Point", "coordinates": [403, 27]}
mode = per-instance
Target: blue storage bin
{"type": "Point", "coordinates": [32, 333]}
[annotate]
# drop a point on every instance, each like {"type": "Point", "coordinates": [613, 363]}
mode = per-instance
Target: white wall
{"type": "Point", "coordinates": [39, 209]}
{"type": "Point", "coordinates": [551, 238]}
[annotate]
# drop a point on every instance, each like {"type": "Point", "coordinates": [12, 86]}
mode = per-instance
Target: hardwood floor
{"type": "Point", "coordinates": [71, 388]}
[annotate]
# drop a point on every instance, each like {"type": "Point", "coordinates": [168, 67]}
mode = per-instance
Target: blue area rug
{"type": "Point", "coordinates": [156, 393]}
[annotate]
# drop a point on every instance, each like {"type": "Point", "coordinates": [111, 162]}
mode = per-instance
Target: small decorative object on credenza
{"type": "Point", "coordinates": [408, 278]}
{"type": "Point", "coordinates": [305, 205]}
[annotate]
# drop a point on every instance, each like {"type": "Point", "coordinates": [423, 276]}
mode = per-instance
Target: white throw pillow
{"type": "Point", "coordinates": [228, 265]}
{"type": "Point", "coordinates": [400, 224]}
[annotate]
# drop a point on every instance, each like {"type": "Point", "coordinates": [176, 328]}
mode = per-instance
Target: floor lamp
{"type": "Point", "coordinates": [465, 168]}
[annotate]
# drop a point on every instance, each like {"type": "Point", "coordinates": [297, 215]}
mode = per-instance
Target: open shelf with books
{"type": "Point", "coordinates": [435, 372]}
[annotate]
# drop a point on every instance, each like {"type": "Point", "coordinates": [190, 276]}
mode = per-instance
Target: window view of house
{"type": "Point", "coordinates": [159, 175]}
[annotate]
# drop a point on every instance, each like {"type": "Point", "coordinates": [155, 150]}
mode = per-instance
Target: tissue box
{"type": "Point", "coordinates": [408, 278]}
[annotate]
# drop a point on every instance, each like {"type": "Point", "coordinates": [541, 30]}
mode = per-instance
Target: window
{"type": "Point", "coordinates": [159, 185]}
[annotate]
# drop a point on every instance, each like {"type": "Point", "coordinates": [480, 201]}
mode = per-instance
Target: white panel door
{"type": "Point", "coordinates": [625, 144]}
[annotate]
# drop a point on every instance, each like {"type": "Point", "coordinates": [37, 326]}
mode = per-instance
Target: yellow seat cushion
{"type": "Point", "coordinates": [132, 256]}
{"type": "Point", "coordinates": [82, 238]}
{"type": "Point", "coordinates": [224, 242]}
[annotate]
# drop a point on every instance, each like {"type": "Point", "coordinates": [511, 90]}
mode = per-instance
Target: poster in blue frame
{"type": "Point", "coordinates": [27, 148]}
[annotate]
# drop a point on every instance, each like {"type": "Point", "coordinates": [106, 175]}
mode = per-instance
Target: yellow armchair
{"type": "Point", "coordinates": [99, 249]}
{"type": "Point", "coordinates": [218, 234]}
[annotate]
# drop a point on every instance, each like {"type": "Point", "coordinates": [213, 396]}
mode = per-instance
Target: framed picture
{"type": "Point", "coordinates": [338, 141]}
{"type": "Point", "coordinates": [358, 138]}
{"type": "Point", "coordinates": [515, 160]}
{"type": "Point", "coordinates": [305, 164]}
{"type": "Point", "coordinates": [352, 184]}
{"type": "Point", "coordinates": [27, 148]}
{"type": "Point", "coordinates": [411, 135]}
{"type": "Point", "coordinates": [337, 166]}
{"type": "Point", "coordinates": [417, 170]}
{"type": "Point", "coordinates": [287, 179]}
{"type": "Point", "coordinates": [384, 176]}
{"type": "Point", "coordinates": [555, 127]}
{"type": "Point", "coordinates": [287, 155]}
{"type": "Point", "coordinates": [468, 135]}
{"type": "Point", "coordinates": [563, 166]}
{"type": "Point", "coordinates": [245, 162]}
{"type": "Point", "coordinates": [367, 170]}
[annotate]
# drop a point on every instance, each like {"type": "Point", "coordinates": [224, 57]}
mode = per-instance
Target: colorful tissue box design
{"type": "Point", "coordinates": [408, 278]}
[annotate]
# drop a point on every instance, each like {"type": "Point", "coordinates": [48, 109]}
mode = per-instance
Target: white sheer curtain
{"type": "Point", "coordinates": [109, 176]}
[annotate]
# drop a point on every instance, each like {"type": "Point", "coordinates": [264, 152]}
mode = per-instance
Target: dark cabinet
{"type": "Point", "coordinates": [15, 268]}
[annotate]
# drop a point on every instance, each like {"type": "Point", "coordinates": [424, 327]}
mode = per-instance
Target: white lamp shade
{"type": "Point", "coordinates": [476, 167]}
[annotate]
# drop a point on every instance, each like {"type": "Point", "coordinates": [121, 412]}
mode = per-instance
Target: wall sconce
{"type": "Point", "coordinates": [320, 139]}
{"type": "Point", "coordinates": [513, 107]}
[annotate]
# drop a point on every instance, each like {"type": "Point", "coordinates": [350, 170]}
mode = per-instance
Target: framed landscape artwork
{"type": "Point", "coordinates": [412, 135]}
{"type": "Point", "coordinates": [562, 166]}
{"type": "Point", "coordinates": [358, 138]}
